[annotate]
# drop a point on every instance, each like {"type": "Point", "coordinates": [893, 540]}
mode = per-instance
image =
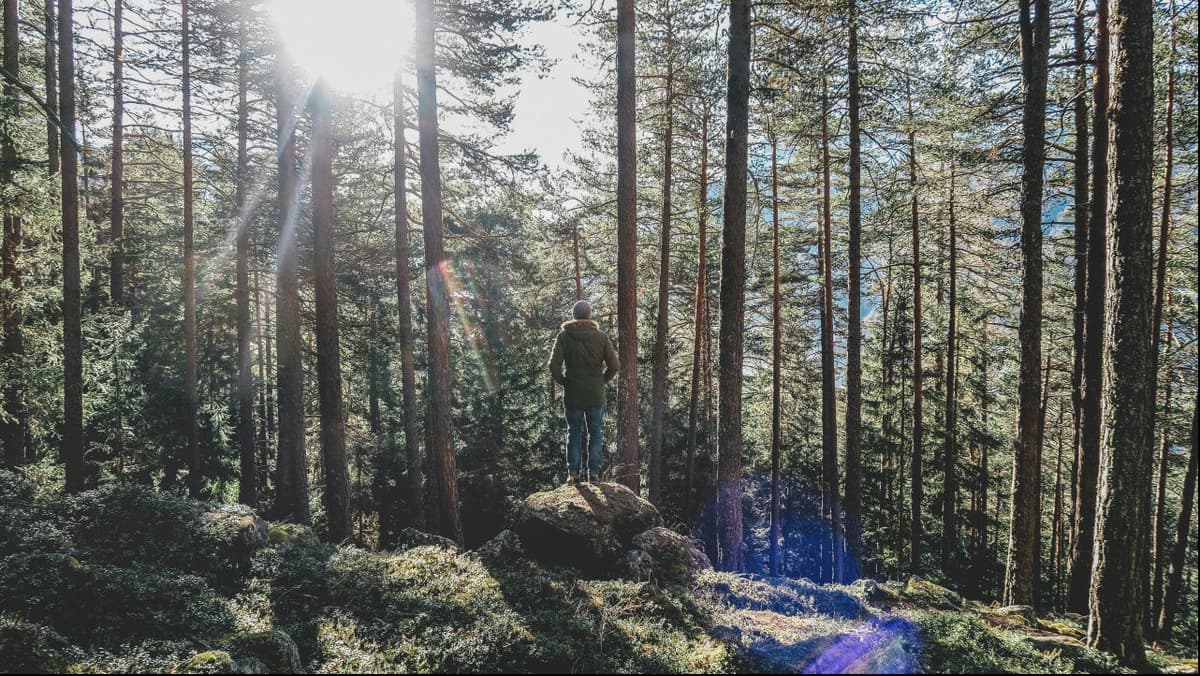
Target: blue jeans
{"type": "Point", "coordinates": [576, 418]}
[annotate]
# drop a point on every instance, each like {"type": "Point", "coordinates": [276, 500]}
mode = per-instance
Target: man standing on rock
{"type": "Point", "coordinates": [591, 362]}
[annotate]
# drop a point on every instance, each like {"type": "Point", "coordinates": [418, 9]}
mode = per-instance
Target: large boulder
{"type": "Point", "coordinates": [925, 594]}
{"type": "Point", "coordinates": [586, 526]}
{"type": "Point", "coordinates": [675, 557]}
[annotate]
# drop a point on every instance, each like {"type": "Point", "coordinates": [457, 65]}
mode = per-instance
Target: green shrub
{"type": "Point", "coordinates": [105, 605]}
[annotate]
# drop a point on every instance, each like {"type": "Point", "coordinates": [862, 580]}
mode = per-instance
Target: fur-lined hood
{"type": "Point", "coordinates": [580, 325]}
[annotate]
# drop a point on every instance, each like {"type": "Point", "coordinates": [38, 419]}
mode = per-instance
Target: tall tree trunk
{"type": "Point", "coordinates": [776, 361]}
{"type": "Point", "coordinates": [853, 499]}
{"type": "Point", "coordinates": [195, 480]}
{"type": "Point", "coordinates": [699, 324]}
{"type": "Point", "coordinates": [116, 237]}
{"type": "Point", "coordinates": [1160, 500]}
{"type": "Point", "coordinates": [291, 468]}
{"type": "Point", "coordinates": [329, 362]}
{"type": "Point", "coordinates": [247, 489]}
{"type": "Point", "coordinates": [1020, 578]}
{"type": "Point", "coordinates": [262, 437]}
{"type": "Point", "coordinates": [51, 82]}
{"type": "Point", "coordinates": [627, 389]}
{"type": "Point", "coordinates": [72, 433]}
{"type": "Point", "coordinates": [1081, 209]}
{"type": "Point", "coordinates": [1175, 586]}
{"type": "Point", "coordinates": [951, 562]}
{"type": "Point", "coordinates": [438, 432]}
{"type": "Point", "coordinates": [731, 556]}
{"type": "Point", "coordinates": [658, 387]}
{"type": "Point", "coordinates": [1160, 293]}
{"type": "Point", "coordinates": [1056, 530]}
{"type": "Point", "coordinates": [918, 427]}
{"type": "Point", "coordinates": [12, 430]}
{"type": "Point", "coordinates": [831, 508]}
{"type": "Point", "coordinates": [1115, 611]}
{"type": "Point", "coordinates": [408, 374]}
{"type": "Point", "coordinates": [1084, 529]}
{"type": "Point", "coordinates": [980, 557]}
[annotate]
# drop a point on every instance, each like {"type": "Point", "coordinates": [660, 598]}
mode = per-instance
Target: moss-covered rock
{"type": "Point", "coordinates": [209, 662]}
{"type": "Point", "coordinates": [503, 549]}
{"type": "Point", "coordinates": [675, 558]}
{"type": "Point", "coordinates": [271, 652]}
{"type": "Point", "coordinates": [1061, 626]}
{"type": "Point", "coordinates": [925, 594]}
{"type": "Point", "coordinates": [584, 525]}
{"type": "Point", "coordinates": [281, 534]}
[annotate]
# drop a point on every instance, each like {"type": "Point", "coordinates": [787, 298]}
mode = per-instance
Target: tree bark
{"type": "Point", "coordinates": [776, 363]}
{"type": "Point", "coordinates": [853, 499]}
{"type": "Point", "coordinates": [1084, 529]}
{"type": "Point", "coordinates": [116, 237]}
{"type": "Point", "coordinates": [263, 435]}
{"type": "Point", "coordinates": [658, 387]}
{"type": "Point", "coordinates": [1116, 603]}
{"type": "Point", "coordinates": [831, 508]}
{"type": "Point", "coordinates": [629, 472]}
{"type": "Point", "coordinates": [51, 82]}
{"type": "Point", "coordinates": [918, 428]}
{"type": "Point", "coordinates": [1160, 293]}
{"type": "Point", "coordinates": [247, 486]}
{"type": "Point", "coordinates": [12, 350]}
{"type": "Point", "coordinates": [72, 433]}
{"type": "Point", "coordinates": [408, 374]}
{"type": "Point", "coordinates": [699, 324]}
{"type": "Point", "coordinates": [291, 468]}
{"type": "Point", "coordinates": [1020, 579]}
{"type": "Point", "coordinates": [1081, 208]}
{"type": "Point", "coordinates": [1159, 543]}
{"type": "Point", "coordinates": [329, 362]}
{"type": "Point", "coordinates": [951, 561]}
{"type": "Point", "coordinates": [195, 480]}
{"type": "Point", "coordinates": [438, 432]}
{"type": "Point", "coordinates": [733, 293]}
{"type": "Point", "coordinates": [1175, 586]}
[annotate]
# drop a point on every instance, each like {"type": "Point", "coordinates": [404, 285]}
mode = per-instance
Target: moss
{"type": "Point", "coordinates": [122, 604]}
{"type": "Point", "coordinates": [1061, 627]}
{"type": "Point", "coordinates": [925, 594]}
{"type": "Point", "coordinates": [33, 649]}
{"type": "Point", "coordinates": [280, 534]}
{"type": "Point", "coordinates": [209, 662]}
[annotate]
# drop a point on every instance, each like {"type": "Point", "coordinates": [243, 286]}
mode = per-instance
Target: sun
{"type": "Point", "coordinates": [356, 45]}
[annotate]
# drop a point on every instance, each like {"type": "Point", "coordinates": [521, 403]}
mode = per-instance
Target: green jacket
{"type": "Point", "coordinates": [590, 359]}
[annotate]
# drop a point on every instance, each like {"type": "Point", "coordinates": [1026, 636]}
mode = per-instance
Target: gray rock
{"type": "Point", "coordinates": [675, 557]}
{"type": "Point", "coordinates": [637, 565]}
{"type": "Point", "coordinates": [269, 652]}
{"type": "Point", "coordinates": [504, 548]}
{"type": "Point", "coordinates": [586, 526]}
{"type": "Point", "coordinates": [871, 592]}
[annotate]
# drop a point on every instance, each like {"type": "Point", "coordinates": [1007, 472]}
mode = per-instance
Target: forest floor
{"type": "Point", "coordinates": [124, 579]}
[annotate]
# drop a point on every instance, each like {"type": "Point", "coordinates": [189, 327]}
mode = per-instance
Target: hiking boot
{"type": "Point", "coordinates": [571, 481]}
